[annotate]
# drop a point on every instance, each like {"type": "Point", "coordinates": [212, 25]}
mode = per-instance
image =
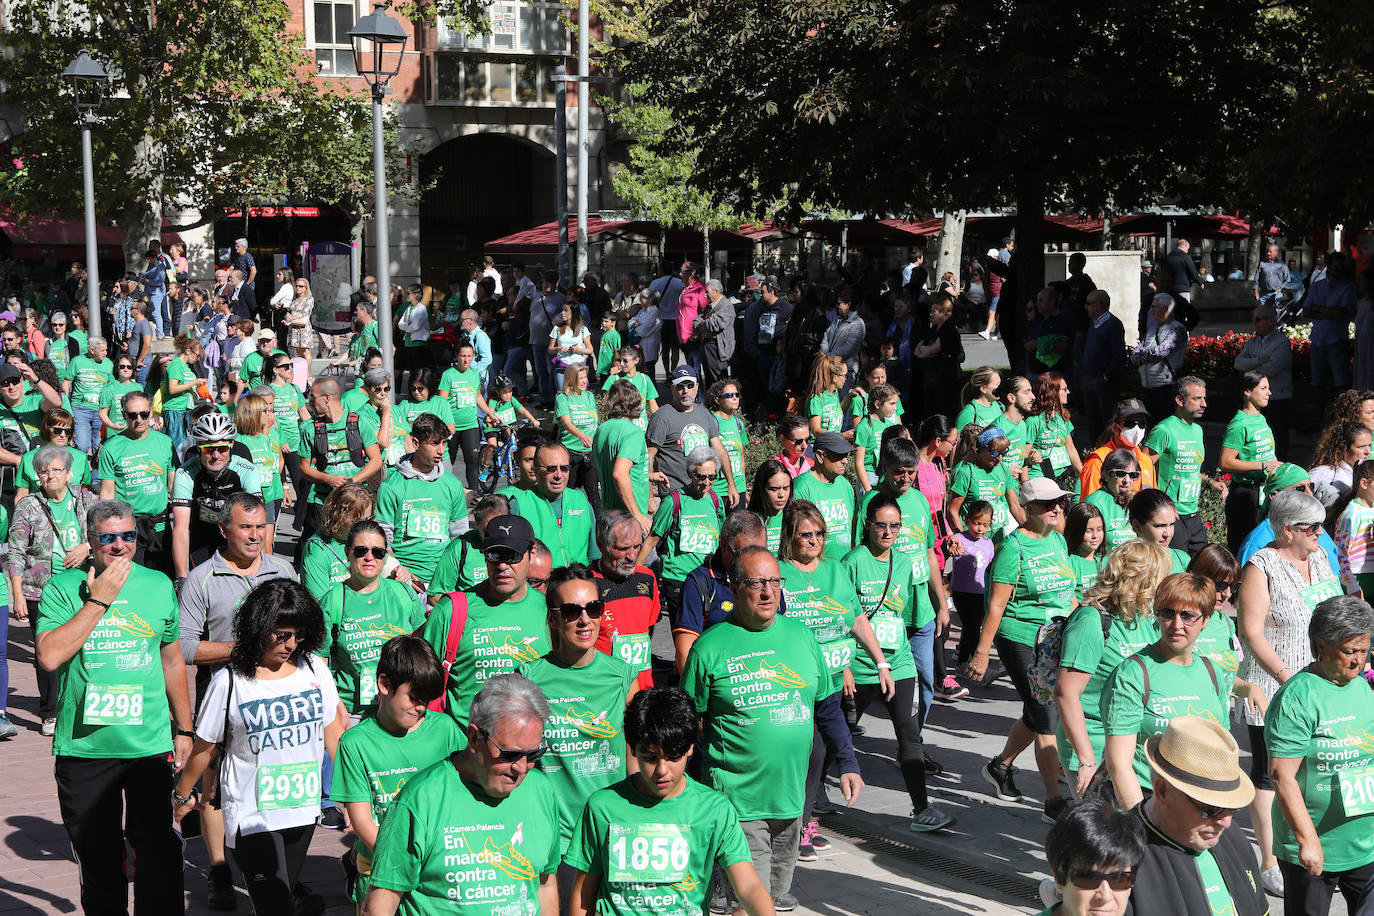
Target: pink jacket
{"type": "Point", "coordinates": [690, 304]}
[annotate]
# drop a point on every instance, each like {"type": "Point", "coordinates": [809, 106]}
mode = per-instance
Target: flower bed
{"type": "Point", "coordinates": [1211, 358]}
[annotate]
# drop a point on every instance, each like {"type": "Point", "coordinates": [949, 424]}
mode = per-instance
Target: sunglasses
{"type": "Point", "coordinates": [128, 366]}
{"type": "Point", "coordinates": [885, 526]}
{"type": "Point", "coordinates": [1088, 880]}
{"type": "Point", "coordinates": [810, 535]}
{"type": "Point", "coordinates": [571, 612]}
{"type": "Point", "coordinates": [62, 430]}
{"type": "Point", "coordinates": [282, 637]}
{"type": "Point", "coordinates": [507, 755]}
{"type": "Point", "coordinates": [1308, 528]}
{"type": "Point", "coordinates": [1046, 505]}
{"type": "Point", "coordinates": [536, 582]}
{"type": "Point", "coordinates": [216, 449]}
{"type": "Point", "coordinates": [1187, 618]}
{"type": "Point", "coordinates": [360, 551]}
{"type": "Point", "coordinates": [138, 414]}
{"type": "Point", "coordinates": [555, 468]}
{"type": "Point", "coordinates": [1126, 475]}
{"type": "Point", "coordinates": [10, 381]}
{"type": "Point", "coordinates": [704, 478]}
{"type": "Point", "coordinates": [1211, 812]}
{"type": "Point", "coordinates": [502, 555]}
{"type": "Point", "coordinates": [995, 453]}
{"type": "Point", "coordinates": [106, 538]}
{"type": "Point", "coordinates": [1224, 586]}
{"type": "Point", "coordinates": [802, 441]}
{"type": "Point", "coordinates": [687, 384]}
{"type": "Point", "coordinates": [729, 394]}
{"type": "Point", "coordinates": [382, 389]}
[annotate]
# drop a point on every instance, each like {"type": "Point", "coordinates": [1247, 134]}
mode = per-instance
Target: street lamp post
{"type": "Point", "coordinates": [88, 80]}
{"type": "Point", "coordinates": [379, 43]}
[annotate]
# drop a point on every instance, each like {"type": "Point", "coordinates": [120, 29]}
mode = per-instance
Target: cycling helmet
{"type": "Point", "coordinates": [214, 427]}
{"type": "Point", "coordinates": [502, 381]}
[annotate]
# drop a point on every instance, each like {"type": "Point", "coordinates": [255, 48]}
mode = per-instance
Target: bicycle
{"type": "Point", "coordinates": [499, 461]}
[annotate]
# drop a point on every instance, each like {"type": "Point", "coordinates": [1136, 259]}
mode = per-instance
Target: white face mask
{"type": "Point", "coordinates": [1133, 434]}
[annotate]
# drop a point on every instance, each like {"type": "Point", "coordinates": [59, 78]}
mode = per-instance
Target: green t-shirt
{"type": "Point", "coordinates": [686, 538]}
{"type": "Point", "coordinates": [266, 451]}
{"type": "Point", "coordinates": [973, 483]}
{"type": "Point", "coordinates": [461, 566]}
{"type": "Point", "coordinates": [286, 407]}
{"type": "Point", "coordinates": [1219, 642]}
{"type": "Point", "coordinates": [88, 379]}
{"type": "Point", "coordinates": [139, 469]}
{"type": "Point", "coordinates": [886, 591]}
{"type": "Point", "coordinates": [1253, 440]}
{"type": "Point", "coordinates": [251, 369]}
{"type": "Point", "coordinates": [868, 435]}
{"type": "Point", "coordinates": [824, 599]}
{"type": "Point", "coordinates": [356, 626]}
{"type": "Point", "coordinates": [647, 392]}
{"type": "Point", "coordinates": [373, 765]}
{"type": "Point", "coordinates": [497, 639]}
{"type": "Point", "coordinates": [1331, 730]}
{"type": "Point", "coordinates": [448, 847]}
{"type": "Point", "coordinates": [110, 399]}
{"type": "Point", "coordinates": [505, 410]}
{"type": "Point", "coordinates": [1086, 571]}
{"type": "Point", "coordinates": [1181, 561]}
{"type": "Point", "coordinates": [836, 502]}
{"type": "Point", "coordinates": [1175, 690]}
{"type": "Point", "coordinates": [363, 341]}
{"type": "Point", "coordinates": [355, 398]}
{"type": "Point", "coordinates": [1116, 522]}
{"type": "Point", "coordinates": [605, 354]}
{"type": "Point", "coordinates": [1018, 437]}
{"type": "Point", "coordinates": [420, 513]}
{"type": "Point", "coordinates": [337, 458]}
{"type": "Point", "coordinates": [82, 341]}
{"type": "Point", "coordinates": [178, 371]}
{"type": "Point", "coordinates": [774, 525]}
{"type": "Point", "coordinates": [460, 389]}
{"type": "Point", "coordinates": [585, 731]}
{"type": "Point", "coordinates": [324, 564]}
{"type": "Point", "coordinates": [1050, 436]}
{"type": "Point", "coordinates": [757, 693]}
{"type": "Point", "coordinates": [26, 416]}
{"type": "Point", "coordinates": [581, 410]}
{"type": "Point", "coordinates": [734, 437]}
{"type": "Point", "coordinates": [826, 406]}
{"type": "Point", "coordinates": [27, 477]}
{"type": "Point", "coordinates": [621, 438]}
{"type": "Point", "coordinates": [1084, 649]}
{"type": "Point", "coordinates": [112, 695]}
{"type": "Point", "coordinates": [1042, 580]}
{"type": "Point", "coordinates": [56, 348]}
{"type": "Point", "coordinates": [981, 414]}
{"type": "Point", "coordinates": [67, 527]}
{"type": "Point", "coordinates": [1179, 445]}
{"type": "Point", "coordinates": [914, 543]}
{"type": "Point", "coordinates": [403, 414]}
{"type": "Point", "coordinates": [655, 856]}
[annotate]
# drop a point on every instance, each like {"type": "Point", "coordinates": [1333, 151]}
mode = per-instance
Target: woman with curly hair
{"type": "Point", "coordinates": [275, 711]}
{"type": "Point", "coordinates": [324, 555]}
{"type": "Point", "coordinates": [1332, 469]}
{"type": "Point", "coordinates": [1050, 432]}
{"type": "Point", "coordinates": [1355, 405]}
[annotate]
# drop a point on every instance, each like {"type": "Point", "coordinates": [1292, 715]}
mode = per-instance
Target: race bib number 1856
{"type": "Point", "coordinates": [647, 854]}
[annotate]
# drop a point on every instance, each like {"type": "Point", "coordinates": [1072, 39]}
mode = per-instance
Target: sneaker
{"type": "Point", "coordinates": [1053, 808]}
{"type": "Point", "coordinates": [857, 731]}
{"type": "Point", "coordinates": [930, 818]}
{"type": "Point", "coordinates": [1271, 879]}
{"type": "Point", "coordinates": [307, 902]}
{"type": "Point", "coordinates": [1049, 892]}
{"type": "Point", "coordinates": [785, 903]}
{"type": "Point", "coordinates": [1002, 777]}
{"type": "Point", "coordinates": [331, 818]}
{"type": "Point", "coordinates": [932, 766]}
{"type": "Point", "coordinates": [7, 729]}
{"type": "Point", "coordinates": [950, 689]}
{"type": "Point", "coordinates": [805, 851]}
{"type": "Point", "coordinates": [985, 335]}
{"type": "Point", "coordinates": [821, 843]}
{"type": "Point", "coordinates": [48, 727]}
{"type": "Point", "coordinates": [221, 896]}
{"type": "Point", "coordinates": [822, 804]}
{"type": "Point", "coordinates": [720, 904]}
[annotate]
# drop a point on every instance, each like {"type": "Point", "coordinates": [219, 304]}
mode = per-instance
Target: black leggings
{"type": "Point", "coordinates": [910, 755]}
{"type": "Point", "coordinates": [47, 680]}
{"type": "Point", "coordinates": [271, 863]}
{"type": "Point", "coordinates": [468, 441]}
{"type": "Point", "coordinates": [971, 610]}
{"type": "Point", "coordinates": [1242, 515]}
{"type": "Point", "coordinates": [1016, 658]}
{"type": "Point", "coordinates": [1304, 893]}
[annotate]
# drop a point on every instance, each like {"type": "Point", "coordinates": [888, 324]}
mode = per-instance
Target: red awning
{"type": "Point", "coordinates": [1060, 228]}
{"type": "Point", "coordinates": [1187, 225]}
{"type": "Point", "coordinates": [39, 238]}
{"type": "Point", "coordinates": [543, 239]}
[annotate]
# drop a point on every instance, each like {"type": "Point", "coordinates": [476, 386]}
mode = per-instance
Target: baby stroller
{"type": "Point", "coordinates": [1289, 303]}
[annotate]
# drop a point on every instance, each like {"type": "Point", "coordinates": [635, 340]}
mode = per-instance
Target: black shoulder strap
{"type": "Point", "coordinates": [1145, 673]}
{"type": "Point", "coordinates": [1211, 672]}
{"type": "Point", "coordinates": [354, 438]}
{"type": "Point", "coordinates": [321, 445]}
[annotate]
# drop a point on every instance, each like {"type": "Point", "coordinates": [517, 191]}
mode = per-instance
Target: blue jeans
{"type": "Point", "coordinates": [174, 425]}
{"type": "Point", "coordinates": [156, 298]}
{"type": "Point", "coordinates": [923, 649]}
{"type": "Point", "coordinates": [516, 359]}
{"type": "Point", "coordinates": [141, 373]}
{"type": "Point", "coordinates": [86, 435]}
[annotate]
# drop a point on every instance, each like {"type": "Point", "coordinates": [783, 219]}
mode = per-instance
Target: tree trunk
{"type": "Point", "coordinates": [141, 218]}
{"type": "Point", "coordinates": [1028, 263]}
{"type": "Point", "coordinates": [951, 245]}
{"type": "Point", "coordinates": [705, 254]}
{"type": "Point", "coordinates": [1254, 245]}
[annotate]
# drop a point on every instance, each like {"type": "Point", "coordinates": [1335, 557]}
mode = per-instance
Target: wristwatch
{"type": "Point", "coordinates": [185, 733]}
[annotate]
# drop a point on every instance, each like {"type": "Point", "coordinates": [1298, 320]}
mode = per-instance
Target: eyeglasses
{"type": "Point", "coordinates": [571, 612]}
{"type": "Point", "coordinates": [1187, 618]}
{"type": "Point", "coordinates": [1211, 812]}
{"type": "Point", "coordinates": [361, 550]}
{"type": "Point", "coordinates": [885, 526]}
{"type": "Point", "coordinates": [282, 637]}
{"type": "Point", "coordinates": [809, 535]}
{"type": "Point", "coordinates": [802, 441]}
{"type": "Point", "coordinates": [502, 555]}
{"type": "Point", "coordinates": [216, 449]}
{"type": "Point", "coordinates": [106, 538]}
{"type": "Point", "coordinates": [505, 755]}
{"type": "Point", "coordinates": [1308, 528]}
{"type": "Point", "coordinates": [729, 394]}
{"type": "Point", "coordinates": [1088, 880]}
{"type": "Point", "coordinates": [555, 468]}
{"type": "Point", "coordinates": [537, 582]}
{"type": "Point", "coordinates": [756, 583]}
{"type": "Point", "coordinates": [1126, 475]}
{"type": "Point", "coordinates": [138, 414]}
{"type": "Point", "coordinates": [704, 478]}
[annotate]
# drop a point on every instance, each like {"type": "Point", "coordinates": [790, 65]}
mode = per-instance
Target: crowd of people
{"type": "Point", "coordinates": [456, 662]}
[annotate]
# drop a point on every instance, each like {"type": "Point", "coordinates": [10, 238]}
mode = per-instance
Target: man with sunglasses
{"type": "Point", "coordinates": [200, 488]}
{"type": "Point", "coordinates": [110, 632]}
{"type": "Point", "coordinates": [343, 447]}
{"type": "Point", "coordinates": [1194, 862]}
{"type": "Point", "coordinates": [21, 415]}
{"type": "Point", "coordinates": [83, 379]}
{"type": "Point", "coordinates": [1127, 430]}
{"type": "Point", "coordinates": [495, 627]}
{"type": "Point", "coordinates": [481, 827]}
{"type": "Point", "coordinates": [251, 372]}
{"type": "Point", "coordinates": [1284, 477]}
{"type": "Point", "coordinates": [676, 429]}
{"type": "Point", "coordinates": [421, 506]}
{"type": "Point", "coordinates": [561, 517]}
{"type": "Point", "coordinates": [138, 466]}
{"type": "Point", "coordinates": [1176, 448]}
{"type": "Point", "coordinates": [827, 486]}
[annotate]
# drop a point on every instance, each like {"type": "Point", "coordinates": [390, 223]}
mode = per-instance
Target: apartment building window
{"type": "Point", "coordinates": [512, 64]}
{"type": "Point", "coordinates": [332, 20]}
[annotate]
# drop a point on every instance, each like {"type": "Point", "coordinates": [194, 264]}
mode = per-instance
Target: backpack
{"type": "Point", "coordinates": [1145, 673]}
{"type": "Point", "coordinates": [677, 502]}
{"type": "Point", "coordinates": [352, 435]}
{"type": "Point", "coordinates": [1049, 645]}
{"type": "Point", "coordinates": [456, 624]}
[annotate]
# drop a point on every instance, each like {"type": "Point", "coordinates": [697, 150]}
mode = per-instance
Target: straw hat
{"type": "Point", "coordinates": [1200, 759]}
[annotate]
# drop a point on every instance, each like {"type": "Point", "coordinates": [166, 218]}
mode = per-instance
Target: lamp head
{"type": "Point", "coordinates": [88, 80]}
{"type": "Point", "coordinates": [380, 61]}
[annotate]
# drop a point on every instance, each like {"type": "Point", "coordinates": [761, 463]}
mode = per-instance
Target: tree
{"type": "Point", "coordinates": [213, 107]}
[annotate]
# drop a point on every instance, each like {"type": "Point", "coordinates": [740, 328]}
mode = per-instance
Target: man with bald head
{"type": "Point", "coordinates": [341, 447]}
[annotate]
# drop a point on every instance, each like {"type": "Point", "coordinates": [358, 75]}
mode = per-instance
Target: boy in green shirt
{"type": "Point", "coordinates": [610, 343]}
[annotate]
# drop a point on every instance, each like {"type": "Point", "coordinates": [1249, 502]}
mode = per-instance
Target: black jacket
{"type": "Point", "coordinates": [1178, 271]}
{"type": "Point", "coordinates": [1168, 884]}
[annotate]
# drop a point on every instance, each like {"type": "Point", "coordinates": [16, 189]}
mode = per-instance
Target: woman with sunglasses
{"type": "Point", "coordinates": [46, 535]}
{"type": "Point", "coordinates": [1094, 852]}
{"type": "Point", "coordinates": [300, 338]}
{"type": "Point", "coordinates": [722, 399]}
{"type": "Point", "coordinates": [1032, 581]}
{"type": "Point", "coordinates": [1152, 516]}
{"type": "Point", "coordinates": [77, 329]}
{"type": "Point", "coordinates": [421, 399]}
{"type": "Point", "coordinates": [269, 790]}
{"type": "Point", "coordinates": [795, 434]}
{"type": "Point", "coordinates": [1161, 681]}
{"type": "Point", "coordinates": [361, 614]}
{"type": "Point", "coordinates": [1321, 715]}
{"type": "Point", "coordinates": [57, 429]}
{"type": "Point", "coordinates": [1120, 482]}
{"type": "Point", "coordinates": [324, 556]}
{"type": "Point", "coordinates": [979, 474]}
{"type": "Point", "coordinates": [584, 737]}
{"type": "Point", "coordinates": [1280, 587]}
{"type": "Point", "coordinates": [1247, 454]}
{"type": "Point", "coordinates": [770, 494]}
{"type": "Point", "coordinates": [111, 414]}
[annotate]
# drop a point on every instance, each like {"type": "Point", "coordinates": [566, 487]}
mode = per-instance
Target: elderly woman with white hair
{"type": "Point", "coordinates": [686, 528]}
{"type": "Point", "coordinates": [1323, 714]}
{"type": "Point", "coordinates": [1280, 587]}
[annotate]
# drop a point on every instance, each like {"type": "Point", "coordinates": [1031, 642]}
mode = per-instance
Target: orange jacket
{"type": "Point", "coordinates": [1090, 478]}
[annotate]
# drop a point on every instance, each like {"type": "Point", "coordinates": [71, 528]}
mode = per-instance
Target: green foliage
{"type": "Point", "coordinates": [1212, 510]}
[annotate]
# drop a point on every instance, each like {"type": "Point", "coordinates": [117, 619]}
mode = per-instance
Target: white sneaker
{"type": "Point", "coordinates": [1049, 892]}
{"type": "Point", "coordinates": [1271, 879]}
{"type": "Point", "coordinates": [985, 335]}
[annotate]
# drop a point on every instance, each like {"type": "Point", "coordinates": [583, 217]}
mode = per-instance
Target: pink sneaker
{"type": "Point", "coordinates": [950, 689]}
